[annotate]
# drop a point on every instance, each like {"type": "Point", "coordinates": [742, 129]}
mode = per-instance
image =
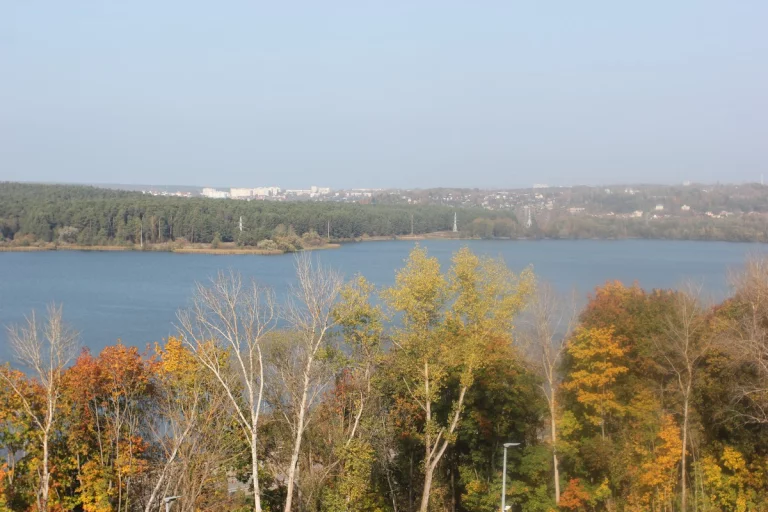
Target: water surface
{"type": "Point", "coordinates": [134, 296]}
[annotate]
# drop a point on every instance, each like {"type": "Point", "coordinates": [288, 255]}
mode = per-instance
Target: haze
{"type": "Point", "coordinates": [393, 95]}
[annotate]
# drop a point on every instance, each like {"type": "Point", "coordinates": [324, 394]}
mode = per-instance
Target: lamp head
{"type": "Point", "coordinates": [510, 445]}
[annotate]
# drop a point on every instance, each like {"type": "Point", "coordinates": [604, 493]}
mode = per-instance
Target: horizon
{"type": "Point", "coordinates": [396, 96]}
{"type": "Point", "coordinates": [115, 185]}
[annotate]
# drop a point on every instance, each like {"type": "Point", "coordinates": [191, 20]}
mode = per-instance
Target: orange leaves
{"type": "Point", "coordinates": [597, 355]}
{"type": "Point", "coordinates": [575, 496]}
{"type": "Point", "coordinates": [653, 483]}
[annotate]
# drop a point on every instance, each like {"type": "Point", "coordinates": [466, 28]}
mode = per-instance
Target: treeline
{"type": "Point", "coordinates": [348, 398]}
{"type": "Point", "coordinates": [91, 216]}
{"type": "Point", "coordinates": [748, 228]}
{"type": "Point", "coordinates": [745, 198]}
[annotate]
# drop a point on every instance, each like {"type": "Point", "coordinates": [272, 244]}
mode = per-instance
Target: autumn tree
{"type": "Point", "coordinates": [446, 323]}
{"type": "Point", "coordinates": [45, 348]}
{"type": "Point", "coordinates": [225, 329]}
{"type": "Point", "coordinates": [348, 422]}
{"type": "Point", "coordinates": [309, 313]}
{"type": "Point", "coordinates": [682, 346]}
{"type": "Point", "coordinates": [548, 326]}
{"type": "Point", "coordinates": [597, 362]}
{"type": "Point", "coordinates": [745, 338]}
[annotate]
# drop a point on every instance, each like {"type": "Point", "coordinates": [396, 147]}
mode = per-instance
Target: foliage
{"type": "Point", "coordinates": [420, 390]}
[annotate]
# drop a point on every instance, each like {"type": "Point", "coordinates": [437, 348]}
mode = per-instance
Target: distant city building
{"type": "Point", "coordinates": [266, 191]}
{"type": "Point", "coordinates": [659, 207]}
{"type": "Point", "coordinates": [685, 208]}
{"type": "Point", "coordinates": [637, 213]}
{"type": "Point", "coordinates": [540, 185]}
{"type": "Point", "coordinates": [241, 193]}
{"type": "Point", "coordinates": [214, 194]}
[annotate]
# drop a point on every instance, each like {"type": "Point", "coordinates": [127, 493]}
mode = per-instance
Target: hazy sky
{"type": "Point", "coordinates": [409, 94]}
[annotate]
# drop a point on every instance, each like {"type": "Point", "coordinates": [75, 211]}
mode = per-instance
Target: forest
{"type": "Point", "coordinates": [345, 397]}
{"type": "Point", "coordinates": [33, 215]}
{"type": "Point", "coordinates": [86, 216]}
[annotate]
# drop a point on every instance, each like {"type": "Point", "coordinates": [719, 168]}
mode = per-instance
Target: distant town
{"type": "Point", "coordinates": [539, 203]}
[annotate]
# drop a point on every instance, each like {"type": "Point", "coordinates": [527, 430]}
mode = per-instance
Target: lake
{"type": "Point", "coordinates": [134, 296]}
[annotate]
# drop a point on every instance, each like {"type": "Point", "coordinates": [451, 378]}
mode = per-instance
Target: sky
{"type": "Point", "coordinates": [383, 94]}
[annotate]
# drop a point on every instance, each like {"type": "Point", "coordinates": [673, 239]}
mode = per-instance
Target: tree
{"type": "Point", "coordinates": [550, 323]}
{"type": "Point", "coordinates": [225, 329]}
{"type": "Point", "coordinates": [447, 322]}
{"type": "Point", "coordinates": [745, 339]}
{"type": "Point", "coordinates": [45, 348]}
{"type": "Point", "coordinates": [310, 315]}
{"type": "Point", "coordinates": [597, 355]}
{"type": "Point", "coordinates": [682, 346]}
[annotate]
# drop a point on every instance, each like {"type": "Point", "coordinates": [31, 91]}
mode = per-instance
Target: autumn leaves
{"type": "Point", "coordinates": [342, 397]}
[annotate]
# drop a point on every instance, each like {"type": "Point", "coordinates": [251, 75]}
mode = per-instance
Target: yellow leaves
{"type": "Point", "coordinates": [597, 355]}
{"type": "Point", "coordinates": [95, 490]}
{"type": "Point", "coordinates": [733, 460]}
{"type": "Point", "coordinates": [420, 290]}
{"type": "Point", "coordinates": [731, 484]}
{"type": "Point", "coordinates": [652, 487]}
{"type": "Point", "coordinates": [360, 320]}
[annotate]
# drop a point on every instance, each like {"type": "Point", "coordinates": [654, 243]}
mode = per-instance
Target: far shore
{"type": "Point", "coordinates": [224, 249]}
{"type": "Point", "coordinates": [229, 248]}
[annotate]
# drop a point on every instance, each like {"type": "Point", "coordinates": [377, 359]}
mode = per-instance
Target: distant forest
{"type": "Point", "coordinates": [93, 216]}
{"type": "Point", "coordinates": [65, 214]}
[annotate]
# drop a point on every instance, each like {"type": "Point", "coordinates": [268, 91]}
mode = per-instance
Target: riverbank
{"type": "Point", "coordinates": [222, 249]}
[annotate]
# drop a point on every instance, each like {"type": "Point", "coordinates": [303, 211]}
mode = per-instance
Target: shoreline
{"type": "Point", "coordinates": [336, 244]}
{"type": "Point", "coordinates": [224, 251]}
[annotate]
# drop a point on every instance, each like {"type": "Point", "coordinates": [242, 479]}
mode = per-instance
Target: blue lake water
{"type": "Point", "coordinates": [134, 296]}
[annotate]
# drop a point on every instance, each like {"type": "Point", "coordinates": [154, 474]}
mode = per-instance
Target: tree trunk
{"type": "Point", "coordinates": [552, 408]}
{"type": "Point", "coordinates": [428, 473]}
{"type": "Point", "coordinates": [683, 476]}
{"type": "Point", "coordinates": [255, 470]}
{"type": "Point", "coordinates": [297, 440]}
{"type": "Point", "coordinates": [45, 476]}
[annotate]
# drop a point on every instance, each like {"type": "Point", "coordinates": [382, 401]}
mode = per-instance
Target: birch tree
{"type": "Point", "coordinates": [682, 346]}
{"type": "Point", "coordinates": [309, 313]}
{"type": "Point", "coordinates": [745, 339]}
{"type": "Point", "coordinates": [231, 318]}
{"type": "Point", "coordinates": [550, 322]}
{"type": "Point", "coordinates": [45, 348]}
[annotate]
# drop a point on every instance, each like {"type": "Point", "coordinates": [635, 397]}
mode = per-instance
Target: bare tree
{"type": "Point", "coordinates": [551, 319]}
{"type": "Point", "coordinates": [176, 418]}
{"type": "Point", "coordinates": [683, 344]}
{"type": "Point", "coordinates": [309, 312]}
{"type": "Point", "coordinates": [746, 339]}
{"type": "Point", "coordinates": [230, 318]}
{"type": "Point", "coordinates": [45, 349]}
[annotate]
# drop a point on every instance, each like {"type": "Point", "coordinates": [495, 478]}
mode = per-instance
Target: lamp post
{"type": "Point", "coordinates": [168, 500]}
{"type": "Point", "coordinates": [504, 477]}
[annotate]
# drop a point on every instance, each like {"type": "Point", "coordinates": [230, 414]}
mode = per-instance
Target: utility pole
{"type": "Point", "coordinates": [329, 231]}
{"type": "Point", "coordinates": [504, 477]}
{"type": "Point", "coordinates": [241, 224]}
{"type": "Point", "coordinates": [411, 224]}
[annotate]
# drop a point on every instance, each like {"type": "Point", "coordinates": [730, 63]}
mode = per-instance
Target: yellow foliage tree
{"type": "Point", "coordinates": [654, 483]}
{"type": "Point", "coordinates": [597, 354]}
{"type": "Point", "coordinates": [449, 322]}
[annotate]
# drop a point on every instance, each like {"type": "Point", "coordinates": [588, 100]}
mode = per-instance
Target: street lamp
{"type": "Point", "coordinates": [168, 500]}
{"type": "Point", "coordinates": [504, 477]}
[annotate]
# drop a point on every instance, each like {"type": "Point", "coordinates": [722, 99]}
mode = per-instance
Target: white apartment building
{"type": "Point", "coordinates": [266, 191]}
{"type": "Point", "coordinates": [214, 194]}
{"type": "Point", "coordinates": [240, 193]}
